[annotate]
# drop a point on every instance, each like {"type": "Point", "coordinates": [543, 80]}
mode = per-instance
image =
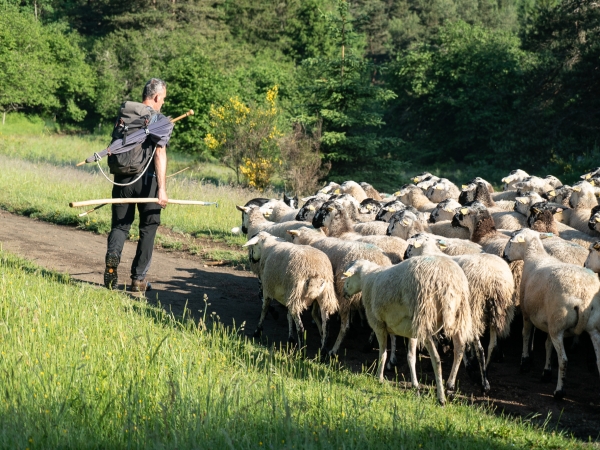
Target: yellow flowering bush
{"type": "Point", "coordinates": [245, 138]}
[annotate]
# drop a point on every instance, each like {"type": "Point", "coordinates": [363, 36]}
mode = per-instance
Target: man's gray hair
{"type": "Point", "coordinates": [153, 87]}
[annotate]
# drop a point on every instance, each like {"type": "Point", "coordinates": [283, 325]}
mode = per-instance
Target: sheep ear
{"type": "Point", "coordinates": [252, 241]}
{"type": "Point", "coordinates": [405, 222]}
{"type": "Point", "coordinates": [415, 180]}
{"type": "Point", "coordinates": [596, 245]}
{"type": "Point", "coordinates": [396, 194]}
{"type": "Point", "coordinates": [330, 208]}
{"type": "Point", "coordinates": [439, 187]}
{"type": "Point", "coordinates": [597, 219]}
{"type": "Point", "coordinates": [311, 208]}
{"type": "Point", "coordinates": [506, 179]}
{"type": "Point", "coordinates": [592, 182]}
{"type": "Point", "coordinates": [587, 176]}
{"type": "Point", "coordinates": [292, 232]}
{"type": "Point", "coordinates": [577, 189]}
{"type": "Point", "coordinates": [558, 210]}
{"type": "Point", "coordinates": [551, 193]}
{"type": "Point", "coordinates": [442, 244]}
{"type": "Point", "coordinates": [448, 209]}
{"type": "Point", "coordinates": [520, 238]}
{"type": "Point", "coordinates": [417, 244]}
{"type": "Point", "coordinates": [464, 186]}
{"type": "Point", "coordinates": [521, 200]}
{"type": "Point", "coordinates": [464, 211]}
{"type": "Point", "coordinates": [536, 210]}
{"type": "Point", "coordinates": [337, 192]}
{"type": "Point", "coordinates": [242, 208]}
{"type": "Point", "coordinates": [546, 235]}
{"type": "Point", "coordinates": [392, 210]}
{"type": "Point", "coordinates": [346, 275]}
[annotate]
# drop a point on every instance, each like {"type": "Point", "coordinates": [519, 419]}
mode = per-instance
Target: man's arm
{"type": "Point", "coordinates": [160, 164]}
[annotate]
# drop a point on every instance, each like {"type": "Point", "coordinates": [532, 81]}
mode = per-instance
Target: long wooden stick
{"type": "Point", "coordinates": [138, 200]}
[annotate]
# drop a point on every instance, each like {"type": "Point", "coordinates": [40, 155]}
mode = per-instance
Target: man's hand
{"type": "Point", "coordinates": [162, 197]}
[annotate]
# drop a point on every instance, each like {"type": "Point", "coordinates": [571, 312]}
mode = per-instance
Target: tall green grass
{"type": "Point", "coordinates": [43, 191]}
{"type": "Point", "coordinates": [83, 367]}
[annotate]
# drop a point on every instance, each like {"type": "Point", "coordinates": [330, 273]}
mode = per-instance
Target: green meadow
{"type": "Point", "coordinates": [83, 367]}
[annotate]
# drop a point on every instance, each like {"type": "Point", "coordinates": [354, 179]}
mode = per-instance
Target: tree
{"type": "Point", "coordinates": [343, 92]}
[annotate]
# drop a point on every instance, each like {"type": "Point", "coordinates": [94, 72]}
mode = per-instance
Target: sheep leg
{"type": "Point", "coordinates": [412, 361]}
{"type": "Point", "coordinates": [382, 336]}
{"type": "Point", "coordinates": [393, 361]}
{"type": "Point", "coordinates": [291, 339]}
{"type": "Point", "coordinates": [300, 330]}
{"type": "Point", "coordinates": [324, 334]}
{"type": "Point", "coordinates": [525, 358]}
{"type": "Point", "coordinates": [263, 314]}
{"type": "Point", "coordinates": [459, 350]}
{"type": "Point", "coordinates": [485, 384]}
{"type": "Point", "coordinates": [437, 369]}
{"type": "Point", "coordinates": [595, 335]}
{"type": "Point", "coordinates": [344, 325]}
{"type": "Point", "coordinates": [316, 318]}
{"type": "Point", "coordinates": [559, 345]}
{"type": "Point", "coordinates": [491, 345]}
{"type": "Point", "coordinates": [547, 373]}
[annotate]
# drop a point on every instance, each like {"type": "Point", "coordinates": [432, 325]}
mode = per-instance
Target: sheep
{"type": "Point", "coordinates": [422, 177]}
{"type": "Point", "coordinates": [295, 276]}
{"type": "Point", "coordinates": [524, 201]}
{"type": "Point", "coordinates": [491, 287]}
{"type": "Point", "coordinates": [282, 213]}
{"type": "Point", "coordinates": [561, 195]}
{"type": "Point", "coordinates": [444, 211]}
{"type": "Point", "coordinates": [371, 191]}
{"type": "Point", "coordinates": [374, 228]}
{"type": "Point", "coordinates": [405, 225]}
{"type": "Point", "coordinates": [594, 222]}
{"type": "Point", "coordinates": [478, 192]}
{"type": "Point", "coordinates": [442, 190]}
{"type": "Point", "coordinates": [331, 188]}
{"type": "Point", "coordinates": [553, 181]}
{"type": "Point", "coordinates": [354, 189]}
{"type": "Point", "coordinates": [415, 197]}
{"type": "Point", "coordinates": [335, 219]}
{"type": "Point", "coordinates": [388, 209]}
{"type": "Point", "coordinates": [582, 200]}
{"type": "Point", "coordinates": [371, 207]}
{"type": "Point", "coordinates": [265, 205]}
{"type": "Point", "coordinates": [536, 184]}
{"type": "Point", "coordinates": [256, 223]}
{"type": "Point", "coordinates": [310, 208]}
{"type": "Point", "coordinates": [482, 230]}
{"type": "Point", "coordinates": [415, 299]}
{"type": "Point", "coordinates": [341, 253]}
{"type": "Point", "coordinates": [292, 202]}
{"type": "Point", "coordinates": [556, 297]}
{"type": "Point", "coordinates": [592, 173]}
{"type": "Point", "coordinates": [427, 183]}
{"type": "Point", "coordinates": [513, 177]}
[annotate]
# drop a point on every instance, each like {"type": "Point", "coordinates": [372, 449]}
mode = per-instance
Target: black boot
{"type": "Point", "coordinates": [111, 278]}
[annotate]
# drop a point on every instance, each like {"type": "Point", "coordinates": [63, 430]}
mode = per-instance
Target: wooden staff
{"type": "Point", "coordinates": [108, 201]}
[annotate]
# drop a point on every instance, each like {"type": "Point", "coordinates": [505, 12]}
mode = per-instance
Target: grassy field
{"type": "Point", "coordinates": [88, 368]}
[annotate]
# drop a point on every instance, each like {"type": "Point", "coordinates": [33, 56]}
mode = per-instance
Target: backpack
{"type": "Point", "coordinates": [132, 116]}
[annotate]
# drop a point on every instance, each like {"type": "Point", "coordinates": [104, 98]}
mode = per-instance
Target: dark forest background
{"type": "Point", "coordinates": [382, 85]}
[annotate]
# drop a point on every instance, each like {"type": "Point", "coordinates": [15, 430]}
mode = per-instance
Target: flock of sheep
{"type": "Point", "coordinates": [436, 258]}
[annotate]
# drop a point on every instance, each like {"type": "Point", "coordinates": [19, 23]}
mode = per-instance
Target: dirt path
{"type": "Point", "coordinates": [178, 278]}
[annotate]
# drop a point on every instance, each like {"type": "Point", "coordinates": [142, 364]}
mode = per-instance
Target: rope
{"type": "Point", "coordinates": [97, 158]}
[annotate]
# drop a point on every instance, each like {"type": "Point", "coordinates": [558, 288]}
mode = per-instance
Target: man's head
{"type": "Point", "coordinates": [154, 93]}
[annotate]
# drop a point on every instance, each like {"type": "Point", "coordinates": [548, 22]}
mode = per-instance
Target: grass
{"type": "Point", "coordinates": [88, 368]}
{"type": "Point", "coordinates": [43, 191]}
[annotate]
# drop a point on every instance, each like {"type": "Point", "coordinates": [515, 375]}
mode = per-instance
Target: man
{"type": "Point", "coordinates": [151, 184]}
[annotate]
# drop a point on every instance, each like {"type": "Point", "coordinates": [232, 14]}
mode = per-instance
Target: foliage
{"type": "Point", "coordinates": [42, 67]}
{"type": "Point", "coordinates": [343, 92]}
{"type": "Point", "coordinates": [244, 137]}
{"type": "Point", "coordinates": [460, 94]}
{"type": "Point", "coordinates": [302, 166]}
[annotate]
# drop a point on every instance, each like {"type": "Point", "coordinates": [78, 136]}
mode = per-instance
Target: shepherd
{"type": "Point", "coordinates": [138, 173]}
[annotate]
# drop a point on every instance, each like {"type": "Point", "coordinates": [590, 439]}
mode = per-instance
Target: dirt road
{"type": "Point", "coordinates": [178, 278]}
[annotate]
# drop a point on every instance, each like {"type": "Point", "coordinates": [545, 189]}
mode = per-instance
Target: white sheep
{"type": "Point", "coordinates": [583, 200]}
{"type": "Point", "coordinates": [491, 288]}
{"type": "Point", "coordinates": [256, 222]}
{"type": "Point", "coordinates": [512, 178]}
{"type": "Point", "coordinates": [411, 195]}
{"type": "Point", "coordinates": [442, 190]}
{"type": "Point", "coordinates": [556, 297]}
{"type": "Point", "coordinates": [371, 191]}
{"type": "Point", "coordinates": [478, 192]}
{"type": "Point", "coordinates": [561, 195]}
{"type": "Point", "coordinates": [354, 189]}
{"type": "Point", "coordinates": [415, 299]}
{"type": "Point", "coordinates": [295, 276]}
{"type": "Point", "coordinates": [444, 211]}
{"type": "Point", "coordinates": [341, 253]}
{"type": "Point", "coordinates": [405, 224]}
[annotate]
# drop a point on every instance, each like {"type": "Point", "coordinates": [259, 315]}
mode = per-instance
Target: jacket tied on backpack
{"type": "Point", "coordinates": [132, 116]}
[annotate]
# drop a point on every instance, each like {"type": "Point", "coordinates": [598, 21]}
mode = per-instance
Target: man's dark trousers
{"type": "Point", "coordinates": [123, 216]}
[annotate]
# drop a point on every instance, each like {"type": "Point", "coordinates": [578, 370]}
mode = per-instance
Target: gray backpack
{"type": "Point", "coordinates": [132, 117]}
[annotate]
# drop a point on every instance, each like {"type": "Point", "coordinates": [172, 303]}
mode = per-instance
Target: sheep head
{"type": "Point", "coordinates": [521, 240]}
{"type": "Point", "coordinates": [444, 211]}
{"type": "Point", "coordinates": [593, 260]}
